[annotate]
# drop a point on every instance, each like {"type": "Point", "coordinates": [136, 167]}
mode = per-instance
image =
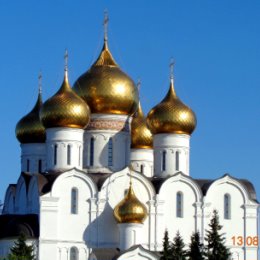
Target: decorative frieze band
{"type": "Point", "coordinates": [103, 124]}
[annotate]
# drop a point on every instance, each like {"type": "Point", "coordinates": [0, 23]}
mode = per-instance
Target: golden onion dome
{"type": "Point", "coordinates": [65, 109]}
{"type": "Point", "coordinates": [30, 128]}
{"type": "Point", "coordinates": [106, 88]}
{"type": "Point", "coordinates": [130, 209]}
{"type": "Point", "coordinates": [141, 136]}
{"type": "Point", "coordinates": [171, 115]}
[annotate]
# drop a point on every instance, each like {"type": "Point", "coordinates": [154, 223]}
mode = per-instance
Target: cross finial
{"type": "Point", "coordinates": [172, 63]}
{"type": "Point", "coordinates": [66, 56]}
{"type": "Point", "coordinates": [138, 85]}
{"type": "Point", "coordinates": [40, 82]}
{"type": "Point", "coordinates": [105, 23]}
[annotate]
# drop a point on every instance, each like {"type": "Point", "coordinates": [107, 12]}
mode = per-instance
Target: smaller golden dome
{"type": "Point", "coordinates": [141, 136]}
{"type": "Point", "coordinates": [65, 108]}
{"type": "Point", "coordinates": [130, 209]}
{"type": "Point", "coordinates": [171, 115]}
{"type": "Point", "coordinates": [30, 128]}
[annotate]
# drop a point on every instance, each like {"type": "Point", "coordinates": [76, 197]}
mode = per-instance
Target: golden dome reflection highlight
{"type": "Point", "coordinates": [65, 109]}
{"type": "Point", "coordinates": [130, 209]}
{"type": "Point", "coordinates": [105, 87]}
{"type": "Point", "coordinates": [171, 115]}
{"type": "Point", "coordinates": [141, 136]}
{"type": "Point", "coordinates": [30, 128]}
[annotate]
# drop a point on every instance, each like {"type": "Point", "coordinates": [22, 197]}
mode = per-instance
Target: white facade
{"type": "Point", "coordinates": [33, 157]}
{"type": "Point", "coordinates": [64, 148]}
{"type": "Point", "coordinates": [142, 161]}
{"type": "Point", "coordinates": [88, 223]}
{"type": "Point", "coordinates": [171, 154]}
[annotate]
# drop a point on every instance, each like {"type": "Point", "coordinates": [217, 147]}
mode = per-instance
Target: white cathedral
{"type": "Point", "coordinates": [100, 180]}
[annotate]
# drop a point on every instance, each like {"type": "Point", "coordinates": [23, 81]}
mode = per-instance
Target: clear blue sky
{"type": "Point", "coordinates": [215, 44]}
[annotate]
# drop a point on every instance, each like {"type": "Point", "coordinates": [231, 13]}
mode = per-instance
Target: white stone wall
{"type": "Point", "coordinates": [170, 144]}
{"type": "Point", "coordinates": [62, 138]}
{"type": "Point", "coordinates": [242, 226]}
{"type": "Point", "coordinates": [31, 154]}
{"type": "Point", "coordinates": [103, 128]}
{"type": "Point", "coordinates": [142, 161]}
{"type": "Point", "coordinates": [94, 225]}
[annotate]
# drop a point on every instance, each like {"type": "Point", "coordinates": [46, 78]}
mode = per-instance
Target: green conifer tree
{"type": "Point", "coordinates": [20, 250]}
{"type": "Point", "coordinates": [196, 248]}
{"type": "Point", "coordinates": [177, 249]}
{"type": "Point", "coordinates": [216, 249]}
{"type": "Point", "coordinates": [166, 253]}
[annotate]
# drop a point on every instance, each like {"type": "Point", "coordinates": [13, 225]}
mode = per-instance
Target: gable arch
{"type": "Point", "coordinates": [21, 196]}
{"type": "Point", "coordinates": [55, 191]}
{"type": "Point", "coordinates": [230, 181]}
{"type": "Point", "coordinates": [33, 195]}
{"type": "Point", "coordinates": [9, 202]}
{"type": "Point", "coordinates": [182, 178]}
{"type": "Point", "coordinates": [118, 182]}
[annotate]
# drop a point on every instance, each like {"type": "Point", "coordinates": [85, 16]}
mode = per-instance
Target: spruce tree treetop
{"type": "Point", "coordinates": [178, 252]}
{"type": "Point", "coordinates": [20, 250]}
{"type": "Point", "coordinates": [196, 248]}
{"type": "Point", "coordinates": [216, 249]}
{"type": "Point", "coordinates": [166, 253]}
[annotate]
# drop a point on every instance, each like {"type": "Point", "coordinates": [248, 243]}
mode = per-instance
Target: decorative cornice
{"type": "Point", "coordinates": [104, 124]}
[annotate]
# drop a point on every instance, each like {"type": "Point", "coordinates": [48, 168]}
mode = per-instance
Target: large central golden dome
{"type": "Point", "coordinates": [106, 88]}
{"type": "Point", "coordinates": [130, 209]}
{"type": "Point", "coordinates": [65, 109]}
{"type": "Point", "coordinates": [171, 115]}
{"type": "Point", "coordinates": [141, 136]}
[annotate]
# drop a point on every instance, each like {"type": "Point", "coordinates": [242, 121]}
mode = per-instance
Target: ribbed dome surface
{"type": "Point", "coordinates": [130, 209]}
{"type": "Point", "coordinates": [30, 128]}
{"type": "Point", "coordinates": [65, 109]}
{"type": "Point", "coordinates": [141, 136]}
{"type": "Point", "coordinates": [171, 115]}
{"type": "Point", "coordinates": [106, 88]}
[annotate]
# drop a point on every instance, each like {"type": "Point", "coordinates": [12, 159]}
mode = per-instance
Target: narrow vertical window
{"type": "Point", "coordinates": [79, 155]}
{"type": "Point", "coordinates": [74, 201]}
{"type": "Point", "coordinates": [68, 154]}
{"type": "Point", "coordinates": [55, 154]}
{"type": "Point", "coordinates": [91, 152]}
{"type": "Point", "coordinates": [179, 205]}
{"type": "Point", "coordinates": [110, 152]}
{"type": "Point", "coordinates": [177, 161]}
{"type": "Point", "coordinates": [40, 166]}
{"type": "Point", "coordinates": [74, 254]}
{"type": "Point", "coordinates": [227, 206]}
{"type": "Point", "coordinates": [142, 168]}
{"type": "Point", "coordinates": [27, 165]}
{"type": "Point", "coordinates": [163, 160]}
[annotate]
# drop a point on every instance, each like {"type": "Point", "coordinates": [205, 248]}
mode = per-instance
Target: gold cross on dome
{"type": "Point", "coordinates": [66, 57]}
{"type": "Point", "coordinates": [105, 23]}
{"type": "Point", "coordinates": [172, 63]}
{"type": "Point", "coordinates": [138, 85]}
{"type": "Point", "coordinates": [40, 82]}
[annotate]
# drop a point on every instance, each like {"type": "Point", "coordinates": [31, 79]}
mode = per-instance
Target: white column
{"type": "Point", "coordinates": [142, 161]}
{"type": "Point", "coordinates": [130, 235]}
{"type": "Point", "coordinates": [58, 142]}
{"type": "Point", "coordinates": [166, 160]}
{"type": "Point", "coordinates": [32, 156]}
